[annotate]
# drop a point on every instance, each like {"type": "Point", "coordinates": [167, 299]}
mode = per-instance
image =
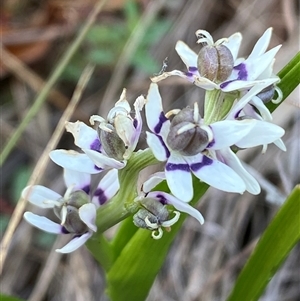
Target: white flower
{"type": "Point", "coordinates": [257, 68]}
{"type": "Point", "coordinates": [189, 146]}
{"type": "Point", "coordinates": [153, 206]}
{"type": "Point", "coordinates": [76, 209]}
{"type": "Point", "coordinates": [108, 146]}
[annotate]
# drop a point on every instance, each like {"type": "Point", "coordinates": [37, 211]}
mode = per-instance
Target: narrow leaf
{"type": "Point", "coordinates": [277, 241]}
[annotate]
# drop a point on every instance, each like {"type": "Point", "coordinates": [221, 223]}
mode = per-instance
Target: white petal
{"type": "Point", "coordinates": [41, 196]}
{"type": "Point", "coordinates": [103, 161]}
{"type": "Point", "coordinates": [231, 159]}
{"type": "Point", "coordinates": [228, 132]}
{"type": "Point", "coordinates": [155, 116]}
{"type": "Point", "coordinates": [72, 160]}
{"type": "Point", "coordinates": [235, 110]}
{"type": "Point", "coordinates": [107, 188]}
{"type": "Point", "coordinates": [188, 56]}
{"type": "Point", "coordinates": [233, 44]}
{"type": "Point", "coordinates": [75, 243]}
{"type": "Point", "coordinates": [158, 147]}
{"type": "Point", "coordinates": [260, 106]}
{"type": "Point", "coordinates": [257, 65]}
{"type": "Point", "coordinates": [43, 223]}
{"type": "Point", "coordinates": [84, 136]}
{"type": "Point", "coordinates": [178, 204]}
{"type": "Point", "coordinates": [138, 123]}
{"type": "Point", "coordinates": [77, 179]}
{"type": "Point", "coordinates": [87, 214]}
{"type": "Point", "coordinates": [262, 133]}
{"type": "Point", "coordinates": [153, 181]}
{"type": "Point", "coordinates": [179, 178]}
{"type": "Point", "coordinates": [205, 83]}
{"type": "Point", "coordinates": [279, 143]}
{"type": "Point", "coordinates": [216, 174]}
{"type": "Point", "coordinates": [262, 44]}
{"type": "Point", "coordinates": [165, 75]}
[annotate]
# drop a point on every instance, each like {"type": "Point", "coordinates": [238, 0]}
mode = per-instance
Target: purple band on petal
{"type": "Point", "coordinates": [182, 167]}
{"type": "Point", "coordinates": [64, 230]}
{"type": "Point", "coordinates": [102, 198]}
{"type": "Point", "coordinates": [86, 189]}
{"type": "Point", "coordinates": [96, 145]}
{"type": "Point", "coordinates": [205, 162]}
{"type": "Point", "coordinates": [98, 168]}
{"type": "Point", "coordinates": [211, 143]}
{"type": "Point", "coordinates": [193, 69]}
{"type": "Point", "coordinates": [162, 199]}
{"type": "Point", "coordinates": [243, 74]}
{"type": "Point", "coordinates": [164, 146]}
{"type": "Point", "coordinates": [135, 123]}
{"type": "Point", "coordinates": [162, 119]}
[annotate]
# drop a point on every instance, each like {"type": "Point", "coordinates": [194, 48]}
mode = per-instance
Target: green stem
{"type": "Point", "coordinates": [122, 205]}
{"type": "Point", "coordinates": [51, 81]}
{"type": "Point", "coordinates": [101, 250]}
{"type": "Point", "coordinates": [216, 105]}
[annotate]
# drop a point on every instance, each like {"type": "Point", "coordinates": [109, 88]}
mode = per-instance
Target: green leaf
{"type": "Point", "coordinates": [290, 79]}
{"type": "Point", "coordinates": [277, 241]}
{"type": "Point", "coordinates": [10, 298]}
{"type": "Point", "coordinates": [134, 271]}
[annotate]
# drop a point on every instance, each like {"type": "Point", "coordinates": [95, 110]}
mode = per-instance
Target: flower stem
{"type": "Point", "coordinates": [122, 205]}
{"type": "Point", "coordinates": [216, 106]}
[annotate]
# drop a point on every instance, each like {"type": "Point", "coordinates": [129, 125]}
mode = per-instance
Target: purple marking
{"type": "Point", "coordinates": [135, 123]}
{"type": "Point", "coordinates": [164, 146]}
{"type": "Point", "coordinates": [96, 145]}
{"type": "Point", "coordinates": [162, 199]}
{"type": "Point", "coordinates": [64, 230]}
{"type": "Point", "coordinates": [242, 74]}
{"type": "Point", "coordinates": [193, 69]}
{"type": "Point", "coordinates": [236, 115]}
{"type": "Point", "coordinates": [189, 74]}
{"type": "Point", "coordinates": [211, 143]}
{"type": "Point", "coordinates": [205, 162]}
{"type": "Point", "coordinates": [98, 168]}
{"type": "Point", "coordinates": [162, 118]}
{"type": "Point", "coordinates": [102, 198]}
{"type": "Point", "coordinates": [174, 166]}
{"type": "Point", "coordinates": [86, 189]}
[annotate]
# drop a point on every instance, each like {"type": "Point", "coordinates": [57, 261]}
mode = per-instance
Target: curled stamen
{"type": "Point", "coordinates": [159, 235]}
{"type": "Point", "coordinates": [152, 226]}
{"type": "Point", "coordinates": [172, 112]}
{"type": "Point", "coordinates": [279, 97]}
{"type": "Point", "coordinates": [172, 221]}
{"type": "Point", "coordinates": [196, 112]}
{"type": "Point", "coordinates": [186, 128]}
{"type": "Point", "coordinates": [96, 118]}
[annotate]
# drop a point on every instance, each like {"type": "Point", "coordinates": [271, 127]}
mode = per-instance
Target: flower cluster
{"type": "Point", "coordinates": [235, 117]}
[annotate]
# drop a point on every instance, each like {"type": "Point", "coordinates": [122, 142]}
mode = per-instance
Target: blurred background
{"type": "Point", "coordinates": [128, 43]}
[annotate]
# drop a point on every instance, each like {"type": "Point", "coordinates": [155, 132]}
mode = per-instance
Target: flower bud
{"type": "Point", "coordinates": [185, 135]}
{"type": "Point", "coordinates": [215, 62]}
{"type": "Point", "coordinates": [68, 212]}
{"type": "Point", "coordinates": [112, 143]}
{"type": "Point", "coordinates": [155, 212]}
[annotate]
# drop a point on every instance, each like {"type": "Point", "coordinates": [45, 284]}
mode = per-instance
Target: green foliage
{"type": "Point", "coordinates": [277, 241]}
{"type": "Point", "coordinates": [9, 298]}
